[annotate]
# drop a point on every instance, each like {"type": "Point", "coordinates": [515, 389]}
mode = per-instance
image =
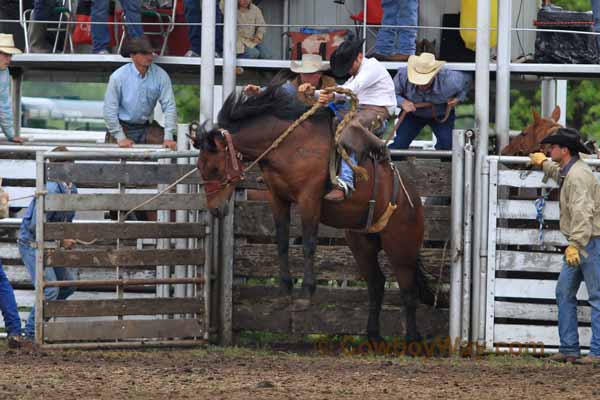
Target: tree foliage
{"type": "Point", "coordinates": [583, 100]}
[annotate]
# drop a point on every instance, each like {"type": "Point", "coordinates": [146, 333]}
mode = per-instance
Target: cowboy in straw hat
{"type": "Point", "coordinates": [373, 86]}
{"type": "Point", "coordinates": [425, 80]}
{"type": "Point", "coordinates": [310, 69]}
{"type": "Point", "coordinates": [7, 49]}
{"type": "Point", "coordinates": [580, 224]}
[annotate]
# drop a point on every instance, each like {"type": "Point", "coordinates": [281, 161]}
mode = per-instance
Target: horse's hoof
{"type": "Point", "coordinates": [285, 287]}
{"type": "Point", "coordinates": [377, 344]}
{"type": "Point", "coordinates": [308, 289]}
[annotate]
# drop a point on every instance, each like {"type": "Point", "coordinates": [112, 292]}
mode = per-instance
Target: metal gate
{"type": "Point", "coordinates": [524, 262]}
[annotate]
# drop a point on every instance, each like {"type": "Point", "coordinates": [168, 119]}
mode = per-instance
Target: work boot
{"type": "Point", "coordinates": [563, 358]}
{"type": "Point", "coordinates": [336, 194]}
{"type": "Point", "coordinates": [14, 341]}
{"type": "Point", "coordinates": [37, 38]}
{"type": "Point", "coordinates": [590, 359]}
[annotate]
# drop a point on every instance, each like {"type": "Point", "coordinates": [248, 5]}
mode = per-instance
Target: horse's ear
{"type": "Point", "coordinates": [556, 114]}
{"type": "Point", "coordinates": [536, 116]}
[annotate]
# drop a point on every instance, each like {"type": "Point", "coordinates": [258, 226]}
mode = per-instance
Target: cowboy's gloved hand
{"type": "Point", "coordinates": [325, 97]}
{"type": "Point", "coordinates": [251, 90]}
{"type": "Point", "coordinates": [537, 159]}
{"type": "Point", "coordinates": [572, 256]}
{"type": "Point", "coordinates": [306, 88]}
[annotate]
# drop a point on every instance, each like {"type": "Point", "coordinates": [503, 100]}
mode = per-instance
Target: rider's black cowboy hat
{"type": "Point", "coordinates": [567, 137]}
{"type": "Point", "coordinates": [343, 57]}
{"type": "Point", "coordinates": [135, 46]}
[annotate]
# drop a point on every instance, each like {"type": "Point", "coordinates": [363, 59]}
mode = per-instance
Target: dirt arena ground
{"type": "Point", "coordinates": [242, 373]}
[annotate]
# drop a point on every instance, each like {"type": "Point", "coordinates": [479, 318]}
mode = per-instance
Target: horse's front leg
{"type": "Point", "coordinates": [310, 214]}
{"type": "Point", "coordinates": [281, 216]}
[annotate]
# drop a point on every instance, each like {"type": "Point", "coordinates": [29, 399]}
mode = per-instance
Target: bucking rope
{"type": "Point", "coordinates": [361, 172]}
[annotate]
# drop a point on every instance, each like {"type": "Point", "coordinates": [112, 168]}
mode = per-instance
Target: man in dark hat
{"type": "Point", "coordinates": [374, 88]}
{"type": "Point", "coordinates": [131, 96]}
{"type": "Point", "coordinates": [580, 223]}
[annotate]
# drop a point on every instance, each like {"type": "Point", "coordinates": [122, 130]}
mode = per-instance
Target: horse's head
{"type": "Point", "coordinates": [219, 165]}
{"type": "Point", "coordinates": [529, 139]}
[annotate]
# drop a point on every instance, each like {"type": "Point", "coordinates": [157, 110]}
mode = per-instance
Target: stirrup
{"type": "Point", "coordinates": [346, 188]}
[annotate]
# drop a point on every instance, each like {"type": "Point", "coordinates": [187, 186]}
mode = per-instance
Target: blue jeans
{"type": "Point", "coordinates": [100, 35]}
{"type": "Point", "coordinates": [398, 40]}
{"type": "Point", "coordinates": [137, 135]}
{"type": "Point", "coordinates": [8, 306]}
{"type": "Point", "coordinates": [42, 10]}
{"type": "Point", "coordinates": [193, 15]}
{"type": "Point", "coordinates": [412, 125]}
{"type": "Point", "coordinates": [596, 13]}
{"type": "Point", "coordinates": [568, 283]}
{"type": "Point", "coordinates": [260, 51]}
{"type": "Point", "coordinates": [50, 274]}
{"type": "Point", "coordinates": [346, 173]}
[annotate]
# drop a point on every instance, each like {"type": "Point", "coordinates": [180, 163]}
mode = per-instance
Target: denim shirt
{"type": "Point", "coordinates": [6, 114]}
{"type": "Point", "coordinates": [447, 84]}
{"type": "Point", "coordinates": [131, 98]}
{"type": "Point", "coordinates": [27, 229]}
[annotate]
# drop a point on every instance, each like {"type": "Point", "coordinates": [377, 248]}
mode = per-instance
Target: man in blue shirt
{"type": "Point", "coordinates": [131, 96]}
{"type": "Point", "coordinates": [26, 241]}
{"type": "Point", "coordinates": [7, 49]}
{"type": "Point", "coordinates": [425, 80]}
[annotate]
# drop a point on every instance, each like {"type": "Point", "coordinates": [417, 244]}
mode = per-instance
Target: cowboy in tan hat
{"type": "Point", "coordinates": [425, 80]}
{"type": "Point", "coordinates": [580, 224]}
{"type": "Point", "coordinates": [310, 69]}
{"type": "Point", "coordinates": [7, 49]}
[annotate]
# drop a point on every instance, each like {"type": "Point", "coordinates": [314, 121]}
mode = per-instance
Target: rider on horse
{"type": "Point", "coordinates": [374, 88]}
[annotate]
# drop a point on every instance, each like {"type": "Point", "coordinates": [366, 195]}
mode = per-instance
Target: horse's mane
{"type": "Point", "coordinates": [273, 101]}
{"type": "Point", "coordinates": [239, 109]}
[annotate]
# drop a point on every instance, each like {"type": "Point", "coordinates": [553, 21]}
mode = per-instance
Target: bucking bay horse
{"type": "Point", "coordinates": [296, 171]}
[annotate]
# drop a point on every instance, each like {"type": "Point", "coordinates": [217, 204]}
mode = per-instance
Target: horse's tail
{"type": "Point", "coordinates": [426, 295]}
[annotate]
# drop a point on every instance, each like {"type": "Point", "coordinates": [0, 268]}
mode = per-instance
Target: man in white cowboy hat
{"type": "Point", "coordinates": [310, 69]}
{"type": "Point", "coordinates": [374, 88]}
{"type": "Point", "coordinates": [7, 49]}
{"type": "Point", "coordinates": [425, 80]}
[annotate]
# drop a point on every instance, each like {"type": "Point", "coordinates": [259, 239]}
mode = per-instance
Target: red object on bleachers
{"type": "Point", "coordinates": [374, 13]}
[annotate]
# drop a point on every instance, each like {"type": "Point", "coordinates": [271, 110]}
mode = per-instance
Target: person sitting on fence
{"type": "Point", "coordinates": [250, 31]}
{"type": "Point", "coordinates": [193, 16]}
{"type": "Point", "coordinates": [580, 223]}
{"type": "Point", "coordinates": [308, 70]}
{"type": "Point", "coordinates": [425, 80]}
{"type": "Point", "coordinates": [397, 44]}
{"type": "Point", "coordinates": [131, 96]}
{"type": "Point", "coordinates": [99, 17]}
{"type": "Point", "coordinates": [7, 49]}
{"type": "Point", "coordinates": [374, 88]}
{"type": "Point", "coordinates": [27, 248]}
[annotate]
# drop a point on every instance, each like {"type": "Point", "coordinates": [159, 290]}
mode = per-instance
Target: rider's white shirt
{"type": "Point", "coordinates": [373, 85]}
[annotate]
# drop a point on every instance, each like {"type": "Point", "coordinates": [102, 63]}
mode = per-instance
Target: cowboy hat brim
{"type": "Point", "coordinates": [565, 141]}
{"type": "Point", "coordinates": [303, 68]}
{"type": "Point", "coordinates": [417, 78]}
{"type": "Point", "coordinates": [10, 50]}
{"type": "Point", "coordinates": [343, 57]}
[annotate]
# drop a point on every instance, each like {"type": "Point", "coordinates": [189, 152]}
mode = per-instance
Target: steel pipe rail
{"type": "Point", "coordinates": [122, 282]}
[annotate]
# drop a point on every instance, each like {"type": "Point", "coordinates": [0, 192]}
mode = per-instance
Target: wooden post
{"type": "Point", "coordinates": [226, 275]}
